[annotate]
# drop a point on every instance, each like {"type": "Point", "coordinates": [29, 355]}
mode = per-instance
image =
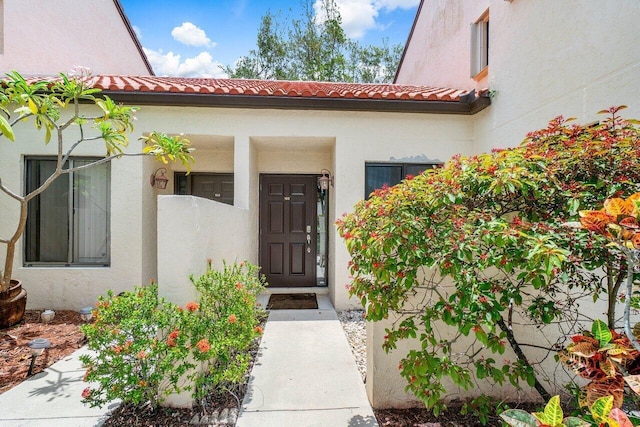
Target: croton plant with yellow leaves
{"type": "Point", "coordinates": [617, 221]}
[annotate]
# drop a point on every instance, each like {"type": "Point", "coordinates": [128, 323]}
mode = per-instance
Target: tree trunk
{"type": "Point", "coordinates": [5, 282]}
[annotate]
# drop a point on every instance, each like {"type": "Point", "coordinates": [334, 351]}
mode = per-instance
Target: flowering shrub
{"type": "Point", "coordinates": [481, 244]}
{"type": "Point", "coordinates": [145, 347]}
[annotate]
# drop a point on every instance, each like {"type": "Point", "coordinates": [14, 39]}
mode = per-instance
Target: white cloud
{"type": "Point", "coordinates": [191, 35]}
{"type": "Point", "coordinates": [171, 64]}
{"type": "Point", "coordinates": [138, 31]}
{"type": "Point", "coordinates": [359, 16]}
{"type": "Point", "coordinates": [395, 4]}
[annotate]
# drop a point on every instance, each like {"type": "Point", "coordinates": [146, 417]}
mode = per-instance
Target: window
{"type": "Point", "coordinates": [480, 46]}
{"type": "Point", "coordinates": [68, 223]}
{"type": "Point", "coordinates": [377, 175]}
{"type": "Point", "coordinates": [214, 186]}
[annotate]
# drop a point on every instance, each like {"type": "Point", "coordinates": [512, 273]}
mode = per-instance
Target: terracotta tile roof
{"type": "Point", "coordinates": [275, 88]}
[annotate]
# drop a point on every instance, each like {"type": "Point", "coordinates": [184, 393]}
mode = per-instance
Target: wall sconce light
{"type": "Point", "coordinates": [160, 182]}
{"type": "Point", "coordinates": [37, 346]}
{"type": "Point", "coordinates": [325, 179]}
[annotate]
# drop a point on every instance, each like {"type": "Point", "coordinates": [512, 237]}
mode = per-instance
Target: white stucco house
{"type": "Point", "coordinates": [255, 192]}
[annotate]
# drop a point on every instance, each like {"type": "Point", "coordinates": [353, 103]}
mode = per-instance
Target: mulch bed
{"type": "Point", "coordinates": [15, 357]}
{"type": "Point", "coordinates": [65, 336]}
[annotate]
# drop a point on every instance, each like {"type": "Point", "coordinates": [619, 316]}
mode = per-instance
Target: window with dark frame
{"type": "Point", "coordinates": [378, 175]}
{"type": "Point", "coordinates": [68, 223]}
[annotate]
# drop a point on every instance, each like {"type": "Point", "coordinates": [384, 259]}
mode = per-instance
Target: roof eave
{"type": "Point", "coordinates": [463, 106]}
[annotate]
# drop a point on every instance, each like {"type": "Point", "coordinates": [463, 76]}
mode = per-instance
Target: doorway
{"type": "Point", "coordinates": [293, 230]}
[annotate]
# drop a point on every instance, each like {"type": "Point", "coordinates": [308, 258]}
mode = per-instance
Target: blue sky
{"type": "Point", "coordinates": [193, 37]}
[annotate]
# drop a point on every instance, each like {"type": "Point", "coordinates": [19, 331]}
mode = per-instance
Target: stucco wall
{"type": "Point", "coordinates": [385, 386]}
{"type": "Point", "coordinates": [439, 51]}
{"type": "Point", "coordinates": [546, 58]}
{"type": "Point", "coordinates": [48, 37]}
{"type": "Point", "coordinates": [192, 230]}
{"type": "Point", "coordinates": [76, 287]}
{"type": "Point", "coordinates": [305, 142]}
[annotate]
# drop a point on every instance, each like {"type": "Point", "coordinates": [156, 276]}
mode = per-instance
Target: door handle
{"type": "Point", "coordinates": [308, 243]}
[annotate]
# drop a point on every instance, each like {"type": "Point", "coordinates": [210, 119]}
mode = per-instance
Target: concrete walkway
{"type": "Point", "coordinates": [52, 398]}
{"type": "Point", "coordinates": [305, 376]}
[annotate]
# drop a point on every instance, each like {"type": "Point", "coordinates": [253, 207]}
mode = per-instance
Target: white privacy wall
{"type": "Point", "coordinates": [191, 231]}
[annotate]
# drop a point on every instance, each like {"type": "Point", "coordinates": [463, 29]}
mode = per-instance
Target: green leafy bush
{"type": "Point", "coordinates": [473, 248]}
{"type": "Point", "coordinates": [145, 347]}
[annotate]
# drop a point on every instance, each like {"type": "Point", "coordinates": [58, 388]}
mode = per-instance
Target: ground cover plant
{"type": "Point", "coordinates": [146, 347]}
{"type": "Point", "coordinates": [469, 258]}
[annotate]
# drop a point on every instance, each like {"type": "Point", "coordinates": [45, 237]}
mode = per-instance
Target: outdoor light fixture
{"type": "Point", "coordinates": [325, 179]}
{"type": "Point", "coordinates": [47, 316]}
{"type": "Point", "coordinates": [86, 313]}
{"type": "Point", "coordinates": [37, 346]}
{"type": "Point", "coordinates": [160, 182]}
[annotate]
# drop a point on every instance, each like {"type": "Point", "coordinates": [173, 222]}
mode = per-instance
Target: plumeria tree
{"type": "Point", "coordinates": [54, 107]}
{"type": "Point", "coordinates": [468, 258]}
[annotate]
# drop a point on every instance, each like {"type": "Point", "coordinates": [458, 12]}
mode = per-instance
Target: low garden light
{"type": "Point", "coordinates": [86, 314]}
{"type": "Point", "coordinates": [159, 181]}
{"type": "Point", "coordinates": [47, 316]}
{"type": "Point", "coordinates": [37, 346]}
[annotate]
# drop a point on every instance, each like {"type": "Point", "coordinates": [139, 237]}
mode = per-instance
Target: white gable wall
{"type": "Point", "coordinates": [49, 37]}
{"type": "Point", "coordinates": [546, 58]}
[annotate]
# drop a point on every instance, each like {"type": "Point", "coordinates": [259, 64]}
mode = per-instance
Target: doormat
{"type": "Point", "coordinates": [292, 302]}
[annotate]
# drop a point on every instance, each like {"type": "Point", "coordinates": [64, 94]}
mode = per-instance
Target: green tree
{"type": "Point", "coordinates": [315, 47]}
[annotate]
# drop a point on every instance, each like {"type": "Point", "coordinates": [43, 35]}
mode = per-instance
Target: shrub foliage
{"type": "Point", "coordinates": [479, 245]}
{"type": "Point", "coordinates": [146, 347]}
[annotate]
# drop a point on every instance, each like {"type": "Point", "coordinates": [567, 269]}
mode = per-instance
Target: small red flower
{"type": "Point", "coordinates": [232, 318]}
{"type": "Point", "coordinates": [203, 345]}
{"type": "Point", "coordinates": [86, 393]}
{"type": "Point", "coordinates": [238, 285]}
{"type": "Point", "coordinates": [142, 355]}
{"type": "Point", "coordinates": [171, 340]}
{"type": "Point", "coordinates": [258, 329]}
{"type": "Point", "coordinates": [192, 306]}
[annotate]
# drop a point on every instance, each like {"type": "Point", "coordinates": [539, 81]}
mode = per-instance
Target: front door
{"type": "Point", "coordinates": [288, 229]}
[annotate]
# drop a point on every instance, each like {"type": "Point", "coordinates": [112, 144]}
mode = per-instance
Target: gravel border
{"type": "Point", "coordinates": [355, 329]}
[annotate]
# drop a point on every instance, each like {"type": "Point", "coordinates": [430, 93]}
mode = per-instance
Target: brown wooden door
{"type": "Point", "coordinates": [288, 229]}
